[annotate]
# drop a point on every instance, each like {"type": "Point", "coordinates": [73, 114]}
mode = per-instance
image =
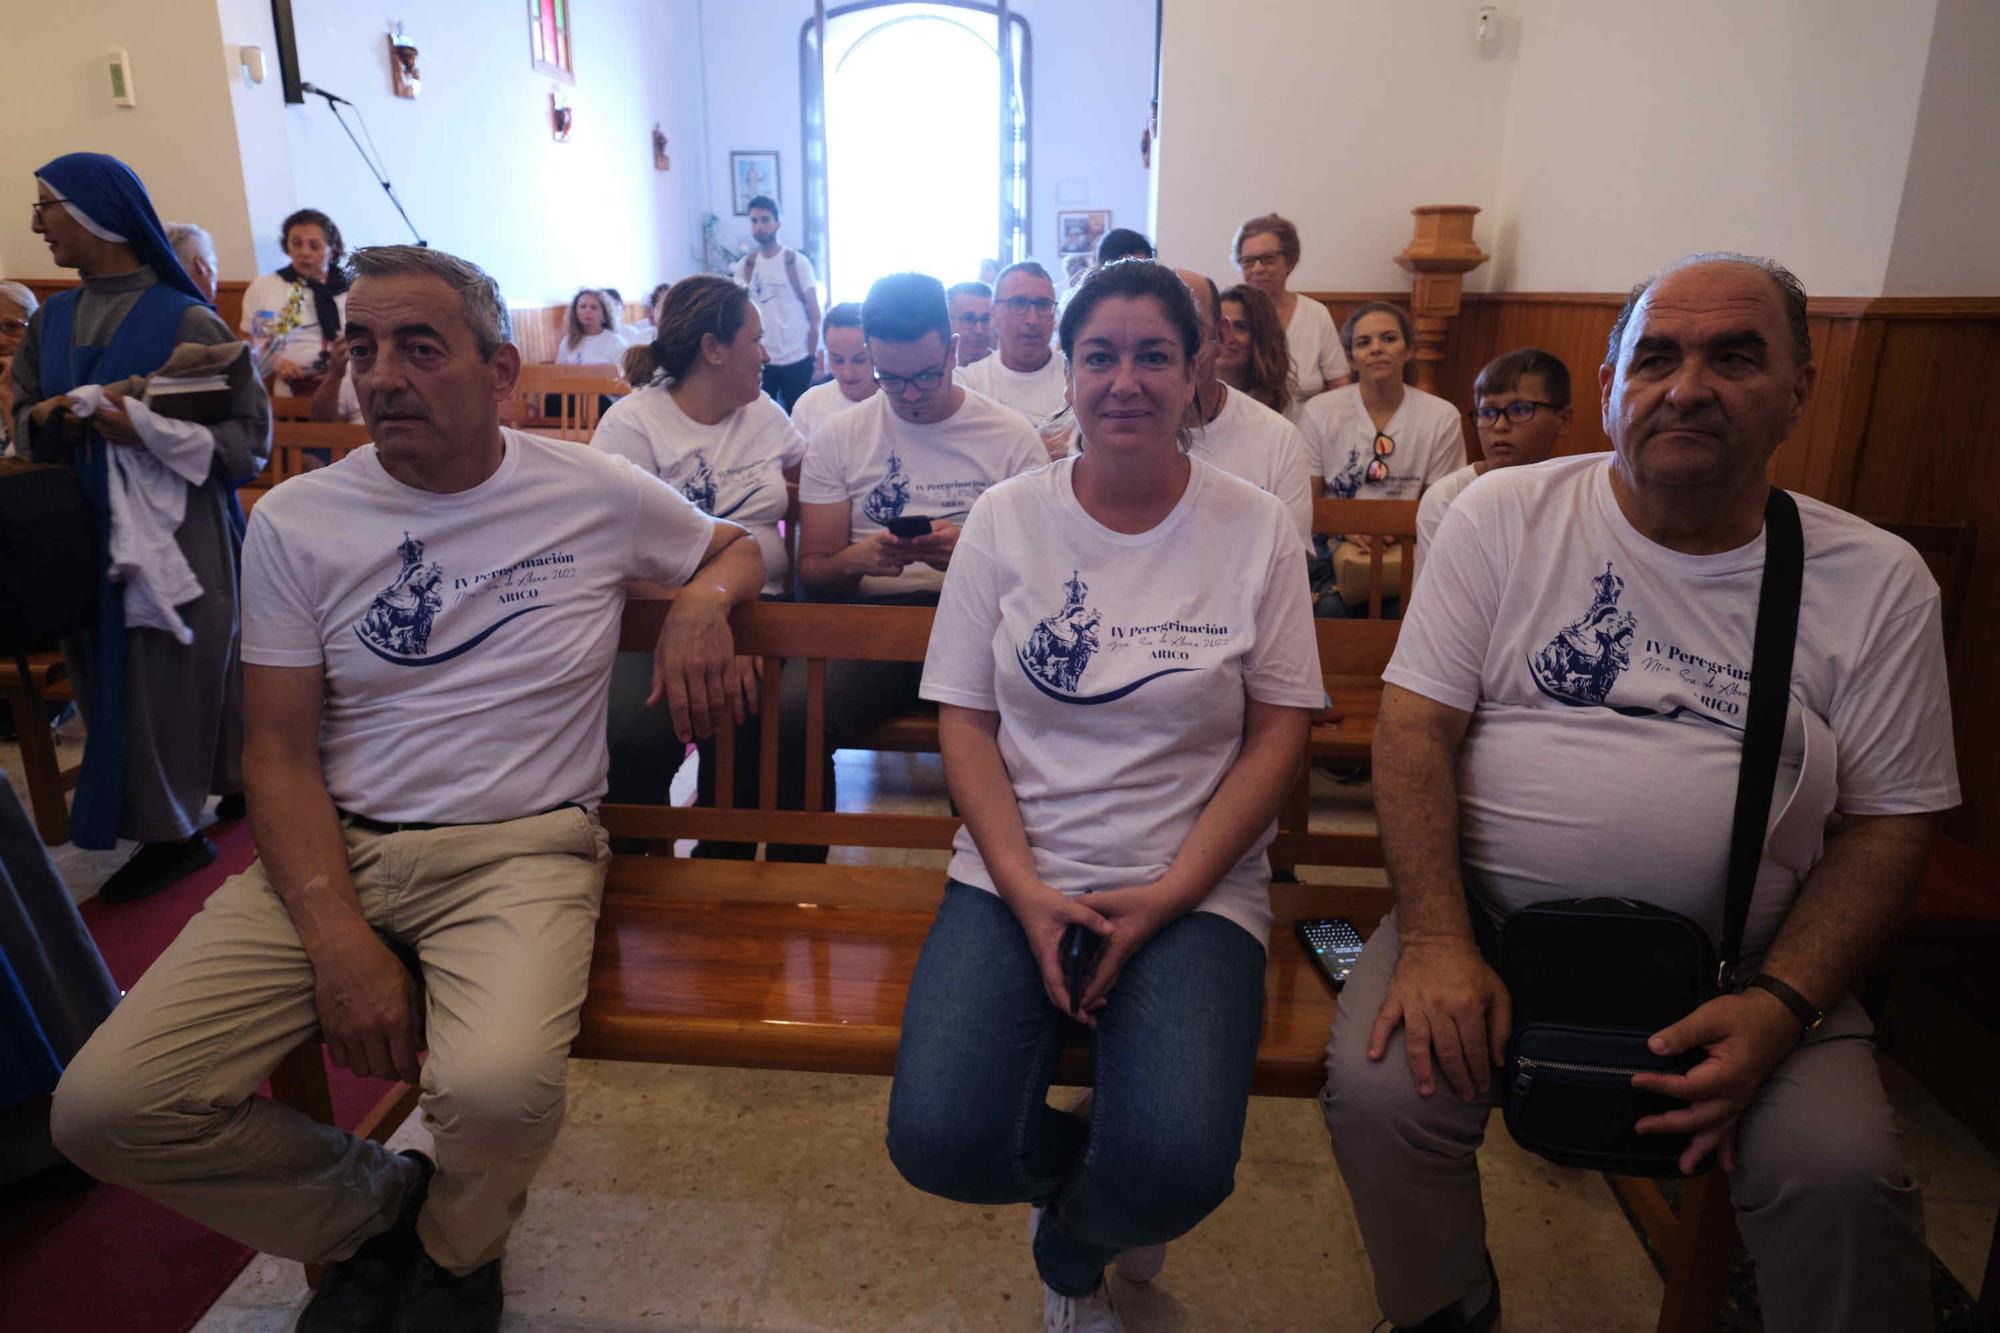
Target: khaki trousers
{"type": "Point", "coordinates": [162, 1099]}
{"type": "Point", "coordinates": [1825, 1207]}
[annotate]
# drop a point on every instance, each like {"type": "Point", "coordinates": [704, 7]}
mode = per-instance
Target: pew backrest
{"type": "Point", "coordinates": [1334, 518]}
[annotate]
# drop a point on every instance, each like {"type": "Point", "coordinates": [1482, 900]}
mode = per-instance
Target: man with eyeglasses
{"type": "Point", "coordinates": [1026, 374]}
{"type": "Point", "coordinates": [972, 320]}
{"type": "Point", "coordinates": [17, 305]}
{"type": "Point", "coordinates": [1523, 409]}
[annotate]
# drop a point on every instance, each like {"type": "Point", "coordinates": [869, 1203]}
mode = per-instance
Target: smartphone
{"type": "Point", "coordinates": [1333, 943]}
{"type": "Point", "coordinates": [907, 526]}
{"type": "Point", "coordinates": [1079, 949]}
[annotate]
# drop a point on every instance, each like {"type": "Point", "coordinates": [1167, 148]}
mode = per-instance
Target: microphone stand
{"type": "Point", "coordinates": [381, 177]}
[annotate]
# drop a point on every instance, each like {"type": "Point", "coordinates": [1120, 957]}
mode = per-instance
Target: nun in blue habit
{"type": "Point", "coordinates": [165, 722]}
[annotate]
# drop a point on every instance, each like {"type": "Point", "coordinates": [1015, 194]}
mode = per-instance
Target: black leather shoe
{"type": "Point", "coordinates": [436, 1302]}
{"type": "Point", "coordinates": [359, 1295]}
{"type": "Point", "coordinates": [1452, 1320]}
{"type": "Point", "coordinates": [231, 808]}
{"type": "Point", "coordinates": [155, 866]}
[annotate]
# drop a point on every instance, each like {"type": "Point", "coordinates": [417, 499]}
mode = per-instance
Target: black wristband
{"type": "Point", "coordinates": [1802, 1008]}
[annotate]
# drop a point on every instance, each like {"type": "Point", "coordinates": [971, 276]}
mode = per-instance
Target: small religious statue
{"type": "Point", "coordinates": [404, 75]}
{"type": "Point", "coordinates": [661, 162]}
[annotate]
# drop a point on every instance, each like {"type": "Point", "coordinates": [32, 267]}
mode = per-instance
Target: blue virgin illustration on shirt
{"type": "Point", "coordinates": [699, 487]}
{"type": "Point", "coordinates": [890, 495]}
{"type": "Point", "coordinates": [1345, 483]}
{"type": "Point", "coordinates": [1060, 648]}
{"type": "Point", "coordinates": [398, 623]}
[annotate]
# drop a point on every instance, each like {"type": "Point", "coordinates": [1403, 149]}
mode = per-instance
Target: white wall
{"type": "Point", "coordinates": [1640, 132]}
{"type": "Point", "coordinates": [1091, 83]}
{"type": "Point", "coordinates": [179, 138]}
{"type": "Point", "coordinates": [1947, 242]}
{"type": "Point", "coordinates": [1339, 114]}
{"type": "Point", "coordinates": [472, 158]}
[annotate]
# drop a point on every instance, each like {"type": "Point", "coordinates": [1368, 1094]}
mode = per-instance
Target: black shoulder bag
{"type": "Point", "coordinates": [1592, 978]}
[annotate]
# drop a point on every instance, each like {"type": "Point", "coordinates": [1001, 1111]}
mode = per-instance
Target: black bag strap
{"type": "Point", "coordinates": [1764, 716]}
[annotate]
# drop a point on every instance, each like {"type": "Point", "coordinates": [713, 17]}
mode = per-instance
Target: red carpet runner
{"type": "Point", "coordinates": [107, 1259]}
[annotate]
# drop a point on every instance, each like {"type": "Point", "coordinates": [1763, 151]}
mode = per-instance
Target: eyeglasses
{"type": "Point", "coordinates": [923, 381]}
{"type": "Point", "coordinates": [972, 320]}
{"type": "Point", "coordinates": [13, 328]}
{"type": "Point", "coordinates": [1021, 305]}
{"type": "Point", "coordinates": [1519, 411]}
{"type": "Point", "coordinates": [1271, 260]}
{"type": "Point", "coordinates": [1385, 445]}
{"type": "Point", "coordinates": [41, 204]}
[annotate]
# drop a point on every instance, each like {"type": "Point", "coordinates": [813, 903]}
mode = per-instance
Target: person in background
{"type": "Point", "coordinates": [853, 373]}
{"type": "Point", "coordinates": [307, 297]}
{"type": "Point", "coordinates": [971, 305]}
{"type": "Point", "coordinates": [165, 714]}
{"type": "Point", "coordinates": [989, 271]}
{"type": "Point", "coordinates": [640, 331]}
{"type": "Point", "coordinates": [1253, 357]}
{"type": "Point", "coordinates": [195, 248]}
{"type": "Point", "coordinates": [17, 307]}
{"type": "Point", "coordinates": [1122, 243]}
{"type": "Point", "coordinates": [782, 283]}
{"type": "Point", "coordinates": [1376, 439]}
{"type": "Point", "coordinates": [1266, 250]}
{"type": "Point", "coordinates": [1100, 791]}
{"type": "Point", "coordinates": [1025, 374]}
{"type": "Point", "coordinates": [1522, 409]}
{"type": "Point", "coordinates": [590, 331]}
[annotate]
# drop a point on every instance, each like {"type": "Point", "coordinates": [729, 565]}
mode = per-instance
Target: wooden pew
{"type": "Point", "coordinates": [578, 391]}
{"type": "Point", "coordinates": [46, 681]}
{"type": "Point", "coordinates": [292, 445]}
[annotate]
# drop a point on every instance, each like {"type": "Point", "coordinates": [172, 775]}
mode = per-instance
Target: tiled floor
{"type": "Point", "coordinates": [686, 1198]}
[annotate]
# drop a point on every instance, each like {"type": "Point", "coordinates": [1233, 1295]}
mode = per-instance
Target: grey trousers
{"type": "Point", "coordinates": [1825, 1207]}
{"type": "Point", "coordinates": [162, 1100]}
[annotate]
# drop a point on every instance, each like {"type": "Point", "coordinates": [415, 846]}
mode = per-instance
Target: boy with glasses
{"type": "Point", "coordinates": [1522, 410]}
{"type": "Point", "coordinates": [1026, 375]}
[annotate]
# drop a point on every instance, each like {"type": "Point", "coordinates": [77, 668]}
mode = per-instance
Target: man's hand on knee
{"type": "Point", "coordinates": [1455, 1014]}
{"type": "Point", "coordinates": [1746, 1036]}
{"type": "Point", "coordinates": [369, 1009]}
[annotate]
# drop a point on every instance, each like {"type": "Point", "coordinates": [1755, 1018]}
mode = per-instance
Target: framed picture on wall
{"type": "Point", "coordinates": [752, 174]}
{"type": "Point", "coordinates": [1077, 232]}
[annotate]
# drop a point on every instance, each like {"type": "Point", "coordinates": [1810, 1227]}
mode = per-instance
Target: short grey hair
{"type": "Point", "coordinates": [191, 242]}
{"type": "Point", "coordinates": [20, 295]}
{"type": "Point", "coordinates": [477, 292]}
{"type": "Point", "coordinates": [1791, 292]}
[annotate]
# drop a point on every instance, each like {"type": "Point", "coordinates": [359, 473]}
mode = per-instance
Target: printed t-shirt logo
{"type": "Point", "coordinates": [890, 495]}
{"type": "Point", "coordinates": [699, 487]}
{"type": "Point", "coordinates": [703, 488]}
{"type": "Point", "coordinates": [398, 623]}
{"type": "Point", "coordinates": [1060, 648]}
{"type": "Point", "coordinates": [1347, 481]}
{"type": "Point", "coordinates": [1584, 660]}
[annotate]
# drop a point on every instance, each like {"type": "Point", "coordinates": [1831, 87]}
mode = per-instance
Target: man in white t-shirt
{"type": "Point", "coordinates": [1522, 409]}
{"type": "Point", "coordinates": [1563, 718]}
{"type": "Point", "coordinates": [971, 306]}
{"type": "Point", "coordinates": [1236, 432]}
{"type": "Point", "coordinates": [428, 633]}
{"type": "Point", "coordinates": [847, 361]}
{"type": "Point", "coordinates": [782, 283]}
{"type": "Point", "coordinates": [1026, 374]}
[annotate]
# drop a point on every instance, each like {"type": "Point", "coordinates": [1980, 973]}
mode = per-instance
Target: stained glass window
{"type": "Point", "coordinates": [548, 37]}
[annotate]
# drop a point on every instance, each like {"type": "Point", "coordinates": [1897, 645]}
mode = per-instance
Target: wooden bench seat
{"type": "Point", "coordinates": [47, 681]}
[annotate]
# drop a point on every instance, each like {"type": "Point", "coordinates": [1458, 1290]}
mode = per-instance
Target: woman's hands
{"type": "Point", "coordinates": [1125, 919]}
{"type": "Point", "coordinates": [1045, 915]}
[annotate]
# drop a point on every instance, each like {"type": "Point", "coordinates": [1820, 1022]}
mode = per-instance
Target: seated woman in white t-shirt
{"type": "Point", "coordinates": [1253, 357]}
{"type": "Point", "coordinates": [590, 331]}
{"type": "Point", "coordinates": [1120, 714]}
{"type": "Point", "coordinates": [701, 422]}
{"type": "Point", "coordinates": [1266, 250]}
{"type": "Point", "coordinates": [1378, 438]}
{"type": "Point", "coordinates": [1521, 405]}
{"type": "Point", "coordinates": [851, 368]}
{"type": "Point", "coordinates": [307, 299]}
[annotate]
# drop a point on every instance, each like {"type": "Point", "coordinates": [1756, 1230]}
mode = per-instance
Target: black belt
{"type": "Point", "coordinates": [414, 826]}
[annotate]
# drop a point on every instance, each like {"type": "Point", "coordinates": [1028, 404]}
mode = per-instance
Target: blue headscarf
{"type": "Point", "coordinates": [115, 207]}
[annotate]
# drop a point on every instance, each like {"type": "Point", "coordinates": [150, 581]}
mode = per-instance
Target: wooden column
{"type": "Point", "coordinates": [1438, 258]}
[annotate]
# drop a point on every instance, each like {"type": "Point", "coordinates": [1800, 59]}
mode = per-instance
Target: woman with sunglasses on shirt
{"type": "Point", "coordinates": [1377, 438]}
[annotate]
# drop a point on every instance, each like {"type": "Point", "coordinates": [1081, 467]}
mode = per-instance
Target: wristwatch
{"type": "Point", "coordinates": [1802, 1008]}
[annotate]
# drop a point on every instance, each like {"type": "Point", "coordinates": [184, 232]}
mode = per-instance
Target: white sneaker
{"type": "Point", "coordinates": [1080, 1314]}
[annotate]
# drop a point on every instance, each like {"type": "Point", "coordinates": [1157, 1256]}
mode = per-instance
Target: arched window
{"type": "Point", "coordinates": [905, 164]}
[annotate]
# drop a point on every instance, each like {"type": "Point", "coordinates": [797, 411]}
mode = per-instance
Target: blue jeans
{"type": "Point", "coordinates": [1173, 1052]}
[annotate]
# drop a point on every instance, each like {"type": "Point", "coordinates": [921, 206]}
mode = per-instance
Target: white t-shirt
{"type": "Point", "coordinates": [1340, 435]}
{"type": "Point", "coordinates": [1119, 665]}
{"type": "Point", "coordinates": [783, 313]}
{"type": "Point", "coordinates": [1607, 675]}
{"type": "Point", "coordinates": [1431, 509]}
{"type": "Point", "coordinates": [881, 466]}
{"type": "Point", "coordinates": [1318, 359]}
{"type": "Point", "coordinates": [466, 639]}
{"type": "Point", "coordinates": [593, 349]}
{"type": "Point", "coordinates": [1249, 440]}
{"type": "Point", "coordinates": [817, 404]}
{"type": "Point", "coordinates": [1036, 395]}
{"type": "Point", "coordinates": [268, 291]}
{"type": "Point", "coordinates": [733, 469]}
